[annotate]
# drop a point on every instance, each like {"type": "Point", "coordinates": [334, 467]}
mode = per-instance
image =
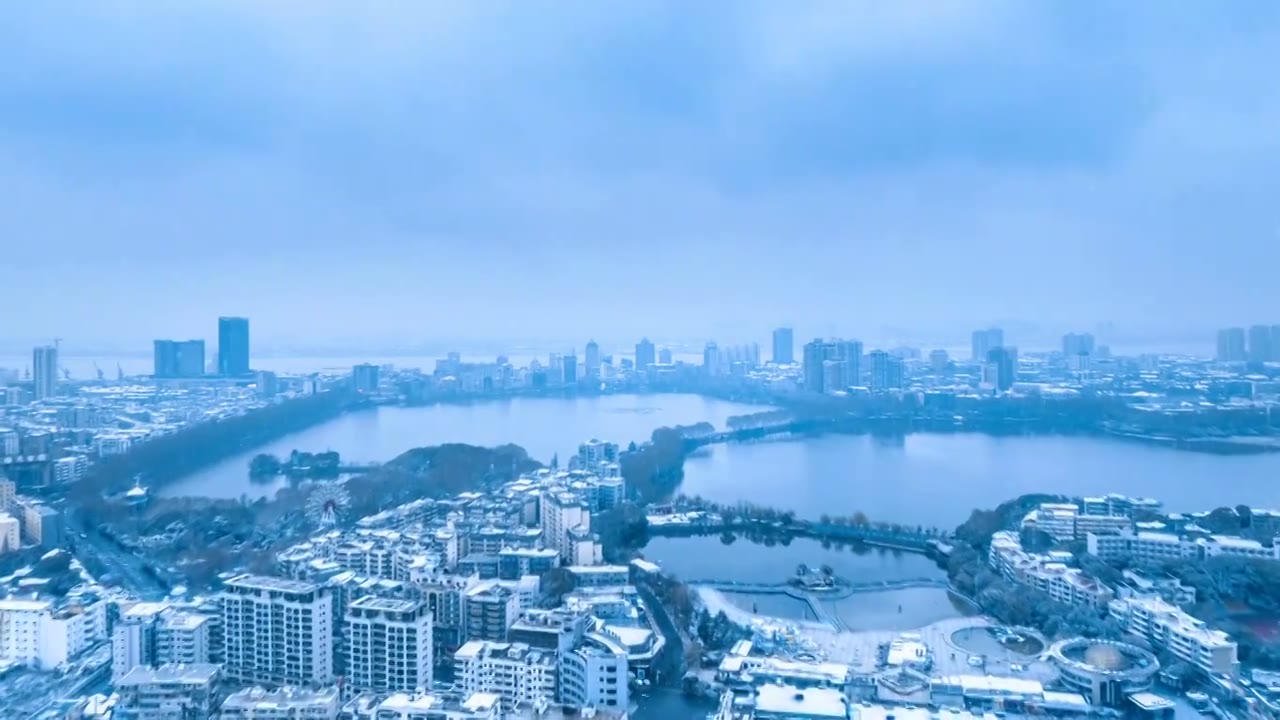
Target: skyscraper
{"type": "Point", "coordinates": [984, 340]}
{"type": "Point", "coordinates": [886, 371]}
{"type": "Point", "coordinates": [44, 371]}
{"type": "Point", "coordinates": [1231, 346]}
{"type": "Point", "coordinates": [815, 353]}
{"type": "Point", "coordinates": [569, 369]}
{"type": "Point", "coordinates": [233, 346]}
{"type": "Point", "coordinates": [593, 359]}
{"type": "Point", "coordinates": [711, 359]}
{"type": "Point", "coordinates": [277, 631]}
{"type": "Point", "coordinates": [783, 346]}
{"type": "Point", "coordinates": [365, 378]}
{"type": "Point", "coordinates": [645, 355]}
{"type": "Point", "coordinates": [664, 356]}
{"type": "Point", "coordinates": [1260, 343]}
{"type": "Point", "coordinates": [1077, 344]}
{"type": "Point", "coordinates": [850, 353]}
{"type": "Point", "coordinates": [1000, 368]}
{"type": "Point", "coordinates": [178, 358]}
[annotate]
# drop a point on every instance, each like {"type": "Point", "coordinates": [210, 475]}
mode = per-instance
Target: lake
{"type": "Point", "coordinates": [543, 426]}
{"type": "Point", "coordinates": [937, 479]}
{"type": "Point", "coordinates": [710, 559]}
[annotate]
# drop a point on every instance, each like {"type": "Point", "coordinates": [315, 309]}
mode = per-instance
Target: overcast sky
{"type": "Point", "coordinates": [385, 173]}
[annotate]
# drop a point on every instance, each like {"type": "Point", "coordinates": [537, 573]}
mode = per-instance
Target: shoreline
{"type": "Point", "coordinates": [875, 427]}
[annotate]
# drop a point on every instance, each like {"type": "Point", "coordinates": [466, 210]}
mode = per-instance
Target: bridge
{"type": "Point", "coordinates": [838, 593]}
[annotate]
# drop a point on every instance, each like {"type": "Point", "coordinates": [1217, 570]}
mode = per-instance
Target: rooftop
{"type": "Point", "coordinates": [195, 673]}
{"type": "Point", "coordinates": [809, 702]}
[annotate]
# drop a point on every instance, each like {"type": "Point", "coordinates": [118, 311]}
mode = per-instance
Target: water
{"type": "Point", "coordinates": [543, 426]}
{"type": "Point", "coordinates": [937, 479]}
{"type": "Point", "coordinates": [709, 559]}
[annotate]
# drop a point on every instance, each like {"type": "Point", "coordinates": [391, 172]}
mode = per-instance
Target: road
{"type": "Point", "coordinates": [102, 555]}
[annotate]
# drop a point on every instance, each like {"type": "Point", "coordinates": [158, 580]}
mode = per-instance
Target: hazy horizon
{"type": "Point", "coordinates": [461, 173]}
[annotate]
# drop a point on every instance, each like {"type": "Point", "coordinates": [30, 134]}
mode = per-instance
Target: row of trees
{"type": "Point", "coordinates": [166, 458]}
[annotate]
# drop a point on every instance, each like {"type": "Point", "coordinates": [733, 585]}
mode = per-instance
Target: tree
{"type": "Point", "coordinates": [859, 519]}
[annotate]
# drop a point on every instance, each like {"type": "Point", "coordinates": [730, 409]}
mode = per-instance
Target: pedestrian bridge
{"type": "Point", "coordinates": [840, 591]}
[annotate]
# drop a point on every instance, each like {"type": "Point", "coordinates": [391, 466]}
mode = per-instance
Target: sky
{"type": "Point", "coordinates": [387, 174]}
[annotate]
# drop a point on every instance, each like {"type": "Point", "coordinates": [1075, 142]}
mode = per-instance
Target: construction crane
{"type": "Point", "coordinates": [97, 370]}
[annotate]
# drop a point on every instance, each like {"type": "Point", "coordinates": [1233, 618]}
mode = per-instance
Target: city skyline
{"type": "Point", "coordinates": [951, 169]}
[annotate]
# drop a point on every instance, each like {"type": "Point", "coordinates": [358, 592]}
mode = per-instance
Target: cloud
{"type": "Point", "coordinates": [579, 164]}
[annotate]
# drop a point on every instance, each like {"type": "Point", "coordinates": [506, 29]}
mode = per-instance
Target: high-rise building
{"type": "Point", "coordinates": [886, 371]}
{"type": "Point", "coordinates": [850, 353]}
{"type": "Point", "coordinates": [1231, 345]}
{"type": "Point", "coordinates": [645, 355]}
{"type": "Point", "coordinates": [784, 344]}
{"type": "Point", "coordinates": [833, 376]}
{"type": "Point", "coordinates": [711, 359]}
{"type": "Point", "coordinates": [999, 369]}
{"type": "Point", "coordinates": [233, 346]}
{"type": "Point", "coordinates": [178, 358]}
{"type": "Point", "coordinates": [593, 359]}
{"type": "Point", "coordinates": [1074, 344]}
{"type": "Point", "coordinates": [44, 371]}
{"type": "Point", "coordinates": [569, 369]}
{"type": "Point", "coordinates": [939, 360]}
{"type": "Point", "coordinates": [133, 639]}
{"type": "Point", "coordinates": [364, 378]}
{"type": "Point", "coordinates": [388, 645]}
{"type": "Point", "coordinates": [1260, 343]}
{"type": "Point", "coordinates": [664, 356]}
{"type": "Point", "coordinates": [815, 354]}
{"type": "Point", "coordinates": [984, 340]}
{"type": "Point", "coordinates": [277, 631]}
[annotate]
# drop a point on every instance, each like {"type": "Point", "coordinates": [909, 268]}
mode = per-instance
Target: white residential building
{"type": "Point", "coordinates": [43, 635]}
{"type": "Point", "coordinates": [277, 632]}
{"type": "Point", "coordinates": [182, 638]}
{"type": "Point", "coordinates": [422, 706]}
{"type": "Point", "coordinates": [1169, 628]}
{"type": "Point", "coordinates": [563, 512]}
{"type": "Point", "coordinates": [594, 674]}
{"type": "Point", "coordinates": [289, 703]}
{"type": "Point", "coordinates": [167, 692]}
{"type": "Point", "coordinates": [1159, 546]}
{"type": "Point", "coordinates": [388, 645]}
{"type": "Point", "coordinates": [133, 639]}
{"type": "Point", "coordinates": [1064, 521]}
{"type": "Point", "coordinates": [1120, 505]}
{"type": "Point", "coordinates": [69, 469]}
{"type": "Point", "coordinates": [1045, 573]}
{"type": "Point", "coordinates": [522, 676]}
{"type": "Point", "coordinates": [10, 532]}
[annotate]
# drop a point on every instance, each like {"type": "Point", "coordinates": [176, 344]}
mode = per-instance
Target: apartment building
{"type": "Point", "coordinates": [424, 706]}
{"type": "Point", "coordinates": [183, 638]}
{"type": "Point", "coordinates": [522, 676]}
{"type": "Point", "coordinates": [1169, 628]}
{"type": "Point", "coordinates": [388, 645]}
{"type": "Point", "coordinates": [43, 634]}
{"type": "Point", "coordinates": [1146, 546]}
{"type": "Point", "coordinates": [276, 631]}
{"type": "Point", "coordinates": [133, 639]}
{"type": "Point", "coordinates": [10, 532]}
{"type": "Point", "coordinates": [1045, 573]}
{"type": "Point", "coordinates": [167, 692]}
{"type": "Point", "coordinates": [289, 703]}
{"type": "Point", "coordinates": [488, 611]}
{"type": "Point", "coordinates": [562, 512]}
{"type": "Point", "coordinates": [1121, 505]}
{"type": "Point", "coordinates": [1064, 522]}
{"type": "Point", "coordinates": [594, 674]}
